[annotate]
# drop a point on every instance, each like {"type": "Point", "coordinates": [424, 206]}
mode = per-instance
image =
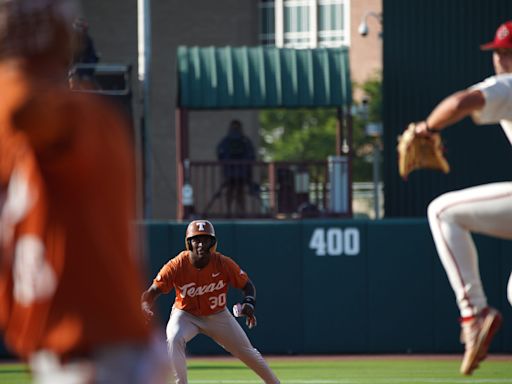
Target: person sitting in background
{"type": "Point", "coordinates": [236, 150]}
{"type": "Point", "coordinates": [81, 74]}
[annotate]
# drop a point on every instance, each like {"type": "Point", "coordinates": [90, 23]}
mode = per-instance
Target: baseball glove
{"type": "Point", "coordinates": [420, 152]}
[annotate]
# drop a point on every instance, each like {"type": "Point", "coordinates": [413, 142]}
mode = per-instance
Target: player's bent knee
{"type": "Point", "coordinates": [509, 290]}
{"type": "Point", "coordinates": [438, 206]}
{"type": "Point", "coordinates": [433, 210]}
{"type": "Point", "coordinates": [175, 340]}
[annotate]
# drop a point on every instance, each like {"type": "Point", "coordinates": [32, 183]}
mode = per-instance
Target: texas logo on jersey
{"type": "Point", "coordinates": [191, 289]}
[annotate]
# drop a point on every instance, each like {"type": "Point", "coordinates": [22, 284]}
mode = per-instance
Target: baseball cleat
{"type": "Point", "coordinates": [477, 335]}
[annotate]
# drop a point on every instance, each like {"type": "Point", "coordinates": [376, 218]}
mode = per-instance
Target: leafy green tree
{"type": "Point", "coordinates": [297, 134]}
{"type": "Point", "coordinates": [310, 134]}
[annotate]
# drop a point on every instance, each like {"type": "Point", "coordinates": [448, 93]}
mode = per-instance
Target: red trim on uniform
{"type": "Point", "coordinates": [446, 243]}
{"type": "Point", "coordinates": [451, 255]}
{"type": "Point", "coordinates": [466, 319]}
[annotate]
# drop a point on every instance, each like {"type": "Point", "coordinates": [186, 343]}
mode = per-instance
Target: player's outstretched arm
{"type": "Point", "coordinates": [248, 305]}
{"type": "Point", "coordinates": [451, 110]}
{"type": "Point", "coordinates": [148, 299]}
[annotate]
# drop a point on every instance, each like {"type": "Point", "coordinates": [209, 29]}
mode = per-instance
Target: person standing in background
{"type": "Point", "coordinates": [236, 151]}
{"type": "Point", "coordinates": [84, 58]}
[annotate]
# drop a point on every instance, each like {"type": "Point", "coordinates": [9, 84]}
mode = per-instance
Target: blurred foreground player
{"type": "Point", "coordinates": [69, 278]}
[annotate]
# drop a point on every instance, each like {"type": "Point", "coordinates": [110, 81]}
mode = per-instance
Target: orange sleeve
{"type": "Point", "coordinates": [237, 275]}
{"type": "Point", "coordinates": [164, 280]}
{"type": "Point", "coordinates": [45, 120]}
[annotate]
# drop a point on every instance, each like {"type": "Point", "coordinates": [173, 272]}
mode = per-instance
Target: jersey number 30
{"type": "Point", "coordinates": [217, 301]}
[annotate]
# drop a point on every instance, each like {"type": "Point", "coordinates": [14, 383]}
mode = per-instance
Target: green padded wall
{"type": "Point", "coordinates": [344, 286]}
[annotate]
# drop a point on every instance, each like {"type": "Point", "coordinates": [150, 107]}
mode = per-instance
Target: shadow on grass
{"type": "Point", "coordinates": [219, 367]}
{"type": "Point", "coordinates": [225, 367]}
{"type": "Point", "coordinates": [11, 371]}
{"type": "Point", "coordinates": [10, 367]}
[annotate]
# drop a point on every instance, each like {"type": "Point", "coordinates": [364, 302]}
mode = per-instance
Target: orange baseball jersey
{"type": "Point", "coordinates": [78, 165]}
{"type": "Point", "coordinates": [200, 292]}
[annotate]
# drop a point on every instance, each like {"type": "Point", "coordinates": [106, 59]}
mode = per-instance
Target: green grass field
{"type": "Point", "coordinates": [331, 370]}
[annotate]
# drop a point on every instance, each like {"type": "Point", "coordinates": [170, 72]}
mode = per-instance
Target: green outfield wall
{"type": "Point", "coordinates": [344, 286]}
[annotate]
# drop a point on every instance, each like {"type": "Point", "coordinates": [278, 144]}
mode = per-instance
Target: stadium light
{"type": "Point", "coordinates": [363, 28]}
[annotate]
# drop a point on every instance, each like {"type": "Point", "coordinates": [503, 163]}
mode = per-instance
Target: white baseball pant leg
{"type": "Point", "coordinates": [181, 328]}
{"type": "Point", "coordinates": [509, 289]}
{"type": "Point", "coordinates": [223, 329]}
{"type": "Point", "coordinates": [484, 209]}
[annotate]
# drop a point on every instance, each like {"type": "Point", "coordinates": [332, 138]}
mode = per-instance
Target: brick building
{"type": "Point", "coordinates": [301, 23]}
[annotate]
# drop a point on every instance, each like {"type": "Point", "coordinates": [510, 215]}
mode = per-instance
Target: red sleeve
{"type": "Point", "coordinates": [164, 280]}
{"type": "Point", "coordinates": [237, 276]}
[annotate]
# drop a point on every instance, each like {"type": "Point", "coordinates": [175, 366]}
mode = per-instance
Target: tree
{"type": "Point", "coordinates": [310, 134]}
{"type": "Point", "coordinates": [297, 134]}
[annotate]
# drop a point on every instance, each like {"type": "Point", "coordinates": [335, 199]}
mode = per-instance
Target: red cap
{"type": "Point", "coordinates": [502, 39]}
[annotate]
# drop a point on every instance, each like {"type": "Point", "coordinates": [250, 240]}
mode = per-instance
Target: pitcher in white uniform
{"type": "Point", "coordinates": [485, 209]}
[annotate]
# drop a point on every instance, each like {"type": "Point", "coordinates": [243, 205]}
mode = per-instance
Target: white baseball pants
{"type": "Point", "coordinates": [484, 209]}
{"type": "Point", "coordinates": [224, 330]}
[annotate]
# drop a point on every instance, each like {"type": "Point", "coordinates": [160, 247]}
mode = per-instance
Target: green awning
{"type": "Point", "coordinates": [262, 77]}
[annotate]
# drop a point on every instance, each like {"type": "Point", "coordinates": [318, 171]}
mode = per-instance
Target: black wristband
{"type": "Point", "coordinates": [249, 300]}
{"type": "Point", "coordinates": [431, 130]}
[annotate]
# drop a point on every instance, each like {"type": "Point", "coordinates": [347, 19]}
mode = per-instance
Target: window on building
{"type": "Point", "coordinates": [305, 23]}
{"type": "Point", "coordinates": [296, 24]}
{"type": "Point", "coordinates": [267, 22]}
{"type": "Point", "coordinates": [331, 23]}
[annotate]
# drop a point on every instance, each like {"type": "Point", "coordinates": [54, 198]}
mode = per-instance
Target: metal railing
{"type": "Point", "coordinates": [106, 78]}
{"type": "Point", "coordinates": [363, 200]}
{"type": "Point", "coordinates": [256, 189]}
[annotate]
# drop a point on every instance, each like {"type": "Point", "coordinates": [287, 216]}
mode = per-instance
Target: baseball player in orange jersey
{"type": "Point", "coordinates": [69, 278]}
{"type": "Point", "coordinates": [201, 276]}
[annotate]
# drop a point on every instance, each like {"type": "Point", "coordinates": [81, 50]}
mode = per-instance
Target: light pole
{"type": "Point", "coordinates": [374, 130]}
{"type": "Point", "coordinates": [143, 71]}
